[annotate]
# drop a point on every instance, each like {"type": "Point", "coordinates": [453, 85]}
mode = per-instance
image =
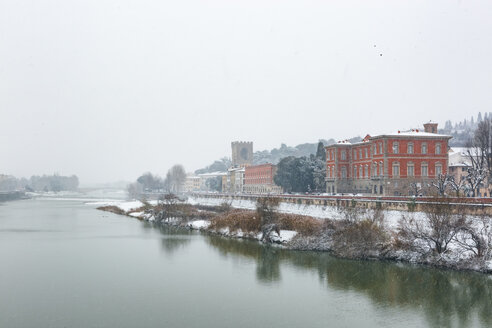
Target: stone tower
{"type": "Point", "coordinates": [242, 153]}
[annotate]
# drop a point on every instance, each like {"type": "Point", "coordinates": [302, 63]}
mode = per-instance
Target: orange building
{"type": "Point", "coordinates": [387, 164]}
{"type": "Point", "coordinates": [259, 179]}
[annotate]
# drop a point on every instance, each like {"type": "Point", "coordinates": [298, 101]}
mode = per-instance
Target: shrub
{"type": "Point", "coordinates": [360, 239]}
{"type": "Point", "coordinates": [266, 208]}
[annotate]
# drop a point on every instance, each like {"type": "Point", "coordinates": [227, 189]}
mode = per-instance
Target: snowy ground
{"type": "Point", "coordinates": [391, 217]}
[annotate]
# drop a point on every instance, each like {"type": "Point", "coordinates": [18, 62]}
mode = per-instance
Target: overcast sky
{"type": "Point", "coordinates": [110, 89]}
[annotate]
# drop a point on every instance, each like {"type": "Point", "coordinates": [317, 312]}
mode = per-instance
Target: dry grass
{"type": "Point", "coordinates": [112, 209]}
{"type": "Point", "coordinates": [247, 221]}
{"type": "Point", "coordinates": [305, 225]}
{"type": "Point", "coordinates": [185, 211]}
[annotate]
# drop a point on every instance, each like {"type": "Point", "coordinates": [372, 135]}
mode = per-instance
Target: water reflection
{"type": "Point", "coordinates": [173, 239]}
{"type": "Point", "coordinates": [446, 298]}
{"type": "Point", "coordinates": [267, 257]}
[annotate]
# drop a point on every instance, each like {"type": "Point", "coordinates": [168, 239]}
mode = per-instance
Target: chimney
{"type": "Point", "coordinates": [430, 127]}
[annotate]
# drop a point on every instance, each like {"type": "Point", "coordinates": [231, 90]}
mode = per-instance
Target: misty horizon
{"type": "Point", "coordinates": [108, 90]}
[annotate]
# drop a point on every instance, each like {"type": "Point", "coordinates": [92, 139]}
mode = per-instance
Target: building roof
{"type": "Point", "coordinates": [458, 156]}
{"type": "Point", "coordinates": [413, 133]}
{"type": "Point", "coordinates": [212, 174]}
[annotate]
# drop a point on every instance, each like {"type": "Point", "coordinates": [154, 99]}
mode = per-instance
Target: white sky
{"type": "Point", "coordinates": [110, 89]}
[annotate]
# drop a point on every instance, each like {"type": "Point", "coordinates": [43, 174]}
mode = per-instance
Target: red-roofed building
{"type": "Point", "coordinates": [387, 164]}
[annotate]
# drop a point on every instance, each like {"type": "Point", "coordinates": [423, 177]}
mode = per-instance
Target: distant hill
{"type": "Point", "coordinates": [272, 156]}
{"type": "Point", "coordinates": [306, 149]}
{"type": "Point", "coordinates": [463, 131]}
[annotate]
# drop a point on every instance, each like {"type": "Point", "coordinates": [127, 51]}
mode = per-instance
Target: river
{"type": "Point", "coordinates": [66, 264]}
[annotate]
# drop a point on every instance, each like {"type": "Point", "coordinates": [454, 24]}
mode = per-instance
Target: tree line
{"type": "Point", "coordinates": [44, 183]}
{"type": "Point", "coordinates": [148, 182]}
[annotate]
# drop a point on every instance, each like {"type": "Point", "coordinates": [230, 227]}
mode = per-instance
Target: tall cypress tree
{"type": "Point", "coordinates": [321, 152]}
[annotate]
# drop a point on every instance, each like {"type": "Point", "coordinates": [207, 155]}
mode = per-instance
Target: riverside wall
{"type": "Point", "coordinates": [473, 206]}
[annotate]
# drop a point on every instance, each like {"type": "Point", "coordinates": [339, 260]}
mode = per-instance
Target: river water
{"type": "Point", "coordinates": [66, 264]}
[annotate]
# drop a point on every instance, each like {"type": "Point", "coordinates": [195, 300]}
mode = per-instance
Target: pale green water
{"type": "Point", "coordinates": [64, 264]}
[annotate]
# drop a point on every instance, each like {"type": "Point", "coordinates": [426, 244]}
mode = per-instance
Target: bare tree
{"type": "Point", "coordinates": [480, 155]}
{"type": "Point", "coordinates": [415, 188]}
{"type": "Point", "coordinates": [441, 183]}
{"type": "Point", "coordinates": [175, 178]}
{"type": "Point", "coordinates": [135, 190]}
{"type": "Point", "coordinates": [266, 209]}
{"type": "Point", "coordinates": [482, 143]}
{"type": "Point", "coordinates": [434, 232]}
{"type": "Point", "coordinates": [475, 237]}
{"type": "Point", "coordinates": [475, 178]}
{"type": "Point", "coordinates": [457, 185]}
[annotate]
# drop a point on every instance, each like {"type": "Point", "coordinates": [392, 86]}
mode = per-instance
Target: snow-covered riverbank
{"type": "Point", "coordinates": [134, 209]}
{"type": "Point", "coordinates": [331, 230]}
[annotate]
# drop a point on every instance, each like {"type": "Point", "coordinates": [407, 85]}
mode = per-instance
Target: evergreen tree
{"type": "Point", "coordinates": [448, 126]}
{"type": "Point", "coordinates": [479, 118]}
{"type": "Point", "coordinates": [321, 152]}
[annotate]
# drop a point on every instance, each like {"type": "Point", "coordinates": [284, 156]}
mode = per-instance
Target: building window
{"type": "Point", "coordinates": [374, 170]}
{"type": "Point", "coordinates": [355, 154]}
{"type": "Point", "coordinates": [360, 153]}
{"type": "Point", "coordinates": [381, 169]}
{"type": "Point", "coordinates": [381, 148]}
{"type": "Point", "coordinates": [438, 149]}
{"type": "Point", "coordinates": [344, 155]}
{"type": "Point", "coordinates": [410, 170]}
{"type": "Point", "coordinates": [355, 172]}
{"type": "Point", "coordinates": [344, 172]}
{"type": "Point", "coordinates": [366, 172]}
{"type": "Point", "coordinates": [375, 149]}
{"type": "Point", "coordinates": [366, 153]}
{"type": "Point", "coordinates": [396, 169]}
{"type": "Point", "coordinates": [361, 173]}
{"type": "Point", "coordinates": [438, 169]}
{"type": "Point", "coordinates": [410, 148]}
{"type": "Point", "coordinates": [424, 148]}
{"type": "Point", "coordinates": [424, 170]}
{"type": "Point", "coordinates": [396, 147]}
